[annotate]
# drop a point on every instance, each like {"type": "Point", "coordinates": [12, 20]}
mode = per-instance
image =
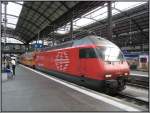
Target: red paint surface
{"type": "Point", "coordinates": [67, 61]}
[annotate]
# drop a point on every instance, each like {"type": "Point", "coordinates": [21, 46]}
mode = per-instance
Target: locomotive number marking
{"type": "Point", "coordinates": [62, 61]}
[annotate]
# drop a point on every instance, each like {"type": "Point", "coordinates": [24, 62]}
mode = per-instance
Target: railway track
{"type": "Point", "coordinates": [138, 81]}
{"type": "Point", "coordinates": [136, 101]}
{"type": "Point", "coordinates": [137, 85]}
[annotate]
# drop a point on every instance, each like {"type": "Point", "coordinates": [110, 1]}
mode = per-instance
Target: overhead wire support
{"type": "Point", "coordinates": [130, 41]}
{"type": "Point", "coordinates": [71, 26]}
{"type": "Point", "coordinates": [109, 20]}
{"type": "Point", "coordinates": [53, 35]}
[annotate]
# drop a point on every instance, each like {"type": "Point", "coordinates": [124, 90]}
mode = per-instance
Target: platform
{"type": "Point", "coordinates": [30, 91]}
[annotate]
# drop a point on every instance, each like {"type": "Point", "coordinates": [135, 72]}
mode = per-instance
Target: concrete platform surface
{"type": "Point", "coordinates": [31, 92]}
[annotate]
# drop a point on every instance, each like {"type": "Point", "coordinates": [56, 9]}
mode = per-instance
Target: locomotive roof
{"type": "Point", "coordinates": [88, 40]}
{"type": "Point", "coordinates": [96, 40]}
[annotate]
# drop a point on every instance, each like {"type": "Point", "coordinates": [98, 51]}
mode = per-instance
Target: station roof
{"type": "Point", "coordinates": [129, 27]}
{"type": "Point", "coordinates": [44, 17]}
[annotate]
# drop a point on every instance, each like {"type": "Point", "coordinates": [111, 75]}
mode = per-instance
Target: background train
{"type": "Point", "coordinates": [91, 61]}
{"type": "Point", "coordinates": [28, 59]}
{"type": "Point", "coordinates": [138, 60]}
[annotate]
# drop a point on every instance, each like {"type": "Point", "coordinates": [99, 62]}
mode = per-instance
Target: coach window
{"type": "Point", "coordinates": [87, 53]}
{"type": "Point", "coordinates": [143, 60]}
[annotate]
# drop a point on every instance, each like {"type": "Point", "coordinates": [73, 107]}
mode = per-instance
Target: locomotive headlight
{"type": "Point", "coordinates": [107, 76]}
{"type": "Point", "coordinates": [125, 73]}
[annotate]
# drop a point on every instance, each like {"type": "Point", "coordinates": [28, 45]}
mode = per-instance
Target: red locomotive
{"type": "Point", "coordinates": [91, 61]}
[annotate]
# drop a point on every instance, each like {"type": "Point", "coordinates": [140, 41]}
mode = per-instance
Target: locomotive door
{"type": "Point", "coordinates": [82, 67]}
{"type": "Point", "coordinates": [82, 61]}
{"type": "Point", "coordinates": [87, 61]}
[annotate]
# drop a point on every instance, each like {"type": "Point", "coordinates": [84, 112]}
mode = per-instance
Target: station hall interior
{"type": "Point", "coordinates": [75, 56]}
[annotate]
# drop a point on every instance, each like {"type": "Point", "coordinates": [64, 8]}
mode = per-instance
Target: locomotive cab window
{"type": "Point", "coordinates": [110, 54]}
{"type": "Point", "coordinates": [87, 53]}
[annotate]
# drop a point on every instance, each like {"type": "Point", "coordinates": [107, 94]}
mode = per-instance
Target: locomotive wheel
{"type": "Point", "coordinates": [121, 84]}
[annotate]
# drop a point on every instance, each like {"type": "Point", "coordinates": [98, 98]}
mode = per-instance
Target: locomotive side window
{"type": "Point", "coordinates": [87, 53]}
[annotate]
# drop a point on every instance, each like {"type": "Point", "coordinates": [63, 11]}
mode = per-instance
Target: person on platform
{"type": "Point", "coordinates": [8, 71]}
{"type": "Point", "coordinates": [13, 62]}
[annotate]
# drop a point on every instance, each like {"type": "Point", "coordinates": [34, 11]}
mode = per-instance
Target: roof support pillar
{"type": "Point", "coordinates": [109, 20]}
{"type": "Point", "coordinates": [5, 21]}
{"type": "Point", "coordinates": [5, 26]}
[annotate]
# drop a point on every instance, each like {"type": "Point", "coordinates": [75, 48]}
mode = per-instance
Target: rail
{"type": "Point", "coordinates": [136, 101]}
{"type": "Point", "coordinates": [138, 80]}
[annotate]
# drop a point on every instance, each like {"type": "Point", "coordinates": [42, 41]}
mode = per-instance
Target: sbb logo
{"type": "Point", "coordinates": [62, 60]}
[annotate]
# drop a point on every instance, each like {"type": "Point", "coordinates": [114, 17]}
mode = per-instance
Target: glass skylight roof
{"type": "Point", "coordinates": [11, 40]}
{"type": "Point", "coordinates": [97, 15]}
{"type": "Point", "coordinates": [12, 9]}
